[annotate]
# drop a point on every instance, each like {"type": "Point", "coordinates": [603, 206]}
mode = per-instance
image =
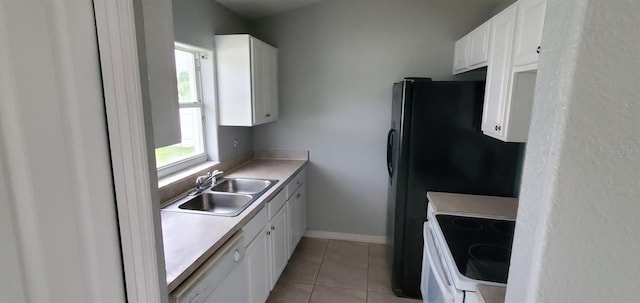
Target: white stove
{"type": "Point", "coordinates": [461, 252]}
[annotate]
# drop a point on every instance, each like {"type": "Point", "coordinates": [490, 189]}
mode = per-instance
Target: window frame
{"type": "Point", "coordinates": [200, 157]}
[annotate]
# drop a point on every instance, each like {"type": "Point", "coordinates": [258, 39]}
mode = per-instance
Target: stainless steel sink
{"type": "Point", "coordinates": [217, 203]}
{"type": "Point", "coordinates": [228, 197]}
{"type": "Point", "coordinates": [242, 186]}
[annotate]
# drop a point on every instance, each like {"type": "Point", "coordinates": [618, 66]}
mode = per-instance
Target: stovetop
{"type": "Point", "coordinates": [481, 248]}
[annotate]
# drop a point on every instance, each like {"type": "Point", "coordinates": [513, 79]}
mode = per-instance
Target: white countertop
{"type": "Point", "coordinates": [474, 205]}
{"type": "Point", "coordinates": [490, 294]}
{"type": "Point", "coordinates": [190, 239]}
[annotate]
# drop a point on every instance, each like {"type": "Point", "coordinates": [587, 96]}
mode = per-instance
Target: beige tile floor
{"type": "Point", "coordinates": [333, 271]}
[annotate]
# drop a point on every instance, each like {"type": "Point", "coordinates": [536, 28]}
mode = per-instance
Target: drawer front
{"type": "Point", "coordinates": [255, 225]}
{"type": "Point", "coordinates": [295, 183]}
{"type": "Point", "coordinates": [276, 203]}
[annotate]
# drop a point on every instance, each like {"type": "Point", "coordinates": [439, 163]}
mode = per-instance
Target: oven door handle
{"type": "Point", "coordinates": [438, 275]}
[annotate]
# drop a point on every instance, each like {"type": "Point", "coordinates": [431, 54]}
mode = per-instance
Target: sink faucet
{"type": "Point", "coordinates": [202, 182]}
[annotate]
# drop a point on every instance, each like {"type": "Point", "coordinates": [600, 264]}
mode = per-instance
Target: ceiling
{"type": "Point", "coordinates": [254, 9]}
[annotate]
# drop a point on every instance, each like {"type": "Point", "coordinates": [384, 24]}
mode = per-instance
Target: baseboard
{"type": "Point", "coordinates": [344, 236]}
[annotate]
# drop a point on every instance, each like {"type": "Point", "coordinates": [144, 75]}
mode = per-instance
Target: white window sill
{"type": "Point", "coordinates": [184, 174]}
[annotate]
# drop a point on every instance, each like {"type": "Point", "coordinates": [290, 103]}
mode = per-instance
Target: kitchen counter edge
{"type": "Point", "coordinates": [474, 205]}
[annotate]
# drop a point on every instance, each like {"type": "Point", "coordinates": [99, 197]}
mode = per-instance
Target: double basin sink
{"type": "Point", "coordinates": [228, 197]}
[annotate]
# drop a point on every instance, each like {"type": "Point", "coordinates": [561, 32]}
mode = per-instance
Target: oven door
{"type": "Point", "coordinates": [436, 285]}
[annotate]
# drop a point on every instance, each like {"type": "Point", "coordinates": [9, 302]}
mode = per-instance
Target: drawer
{"type": "Point", "coordinates": [293, 185]}
{"type": "Point", "coordinates": [276, 203]}
{"type": "Point", "coordinates": [255, 225]}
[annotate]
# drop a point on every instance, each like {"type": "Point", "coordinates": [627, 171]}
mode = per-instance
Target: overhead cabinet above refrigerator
{"type": "Point", "coordinates": [513, 47]}
{"type": "Point", "coordinates": [247, 80]}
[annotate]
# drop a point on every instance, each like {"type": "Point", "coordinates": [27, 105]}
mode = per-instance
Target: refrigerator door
{"type": "Point", "coordinates": [398, 157]}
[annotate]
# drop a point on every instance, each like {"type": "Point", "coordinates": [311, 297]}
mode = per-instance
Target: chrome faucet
{"type": "Point", "coordinates": [202, 182]}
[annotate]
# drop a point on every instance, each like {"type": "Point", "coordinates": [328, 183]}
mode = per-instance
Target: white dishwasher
{"type": "Point", "coordinates": [221, 279]}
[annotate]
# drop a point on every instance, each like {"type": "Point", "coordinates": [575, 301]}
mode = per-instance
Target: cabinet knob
{"type": "Point", "coordinates": [268, 115]}
{"type": "Point", "coordinates": [498, 128]}
{"type": "Point", "coordinates": [298, 196]}
{"type": "Point", "coordinates": [273, 228]}
{"type": "Point", "coordinates": [538, 50]}
{"type": "Point", "coordinates": [236, 256]}
{"type": "Point", "coordinates": [268, 232]}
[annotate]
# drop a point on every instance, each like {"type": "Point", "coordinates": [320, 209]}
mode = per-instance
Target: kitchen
{"type": "Point", "coordinates": [369, 152]}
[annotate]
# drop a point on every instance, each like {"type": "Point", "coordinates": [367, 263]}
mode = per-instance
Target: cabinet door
{"type": "Point", "coordinates": [461, 55]}
{"type": "Point", "coordinates": [271, 113]}
{"type": "Point", "coordinates": [498, 73]}
{"type": "Point", "coordinates": [479, 46]}
{"type": "Point", "coordinates": [279, 242]}
{"type": "Point", "coordinates": [529, 31]}
{"type": "Point", "coordinates": [161, 71]}
{"type": "Point", "coordinates": [265, 82]}
{"type": "Point", "coordinates": [298, 229]}
{"type": "Point", "coordinates": [259, 282]}
{"type": "Point", "coordinates": [303, 210]}
{"type": "Point", "coordinates": [294, 222]}
{"type": "Point", "coordinates": [260, 81]}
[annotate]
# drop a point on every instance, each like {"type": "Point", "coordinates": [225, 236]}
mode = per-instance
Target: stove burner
{"type": "Point", "coordinates": [506, 228]}
{"type": "Point", "coordinates": [488, 253]}
{"type": "Point", "coordinates": [488, 262]}
{"type": "Point", "coordinates": [467, 224]}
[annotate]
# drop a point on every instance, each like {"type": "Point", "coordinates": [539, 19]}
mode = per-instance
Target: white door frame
{"type": "Point", "coordinates": [131, 143]}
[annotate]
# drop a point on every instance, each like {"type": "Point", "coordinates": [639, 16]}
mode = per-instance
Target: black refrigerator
{"type": "Point", "coordinates": [435, 144]}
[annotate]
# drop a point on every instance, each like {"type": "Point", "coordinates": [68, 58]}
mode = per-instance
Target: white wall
{"type": "Point", "coordinates": [338, 61]}
{"type": "Point", "coordinates": [577, 235]}
{"type": "Point", "coordinates": [196, 22]}
{"type": "Point", "coordinates": [59, 229]}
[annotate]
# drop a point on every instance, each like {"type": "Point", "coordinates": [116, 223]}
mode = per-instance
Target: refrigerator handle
{"type": "Point", "coordinates": [390, 151]}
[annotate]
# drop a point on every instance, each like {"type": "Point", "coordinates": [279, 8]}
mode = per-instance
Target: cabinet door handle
{"type": "Point", "coordinates": [268, 232]}
{"type": "Point", "coordinates": [273, 228]}
{"type": "Point", "coordinates": [538, 50]}
{"type": "Point", "coordinates": [298, 196]}
{"type": "Point", "coordinates": [268, 115]}
{"type": "Point", "coordinates": [498, 128]}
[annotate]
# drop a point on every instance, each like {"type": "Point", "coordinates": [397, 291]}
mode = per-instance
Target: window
{"type": "Point", "coordinates": [191, 149]}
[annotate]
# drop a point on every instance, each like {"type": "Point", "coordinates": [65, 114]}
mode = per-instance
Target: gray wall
{"type": "Point", "coordinates": [576, 237]}
{"type": "Point", "coordinates": [338, 61]}
{"type": "Point", "coordinates": [196, 22]}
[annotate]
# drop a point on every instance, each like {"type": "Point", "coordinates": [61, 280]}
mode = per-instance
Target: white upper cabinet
{"type": "Point", "coordinates": [461, 55]}
{"type": "Point", "coordinates": [496, 100]}
{"type": "Point", "coordinates": [530, 18]}
{"type": "Point", "coordinates": [161, 71]}
{"type": "Point", "coordinates": [472, 50]}
{"type": "Point", "coordinates": [511, 54]}
{"type": "Point", "coordinates": [247, 71]}
{"type": "Point", "coordinates": [479, 46]}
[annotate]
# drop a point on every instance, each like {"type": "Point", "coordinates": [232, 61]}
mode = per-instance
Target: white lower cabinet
{"type": "Point", "coordinates": [275, 230]}
{"type": "Point", "coordinates": [297, 214]}
{"type": "Point", "coordinates": [279, 242]}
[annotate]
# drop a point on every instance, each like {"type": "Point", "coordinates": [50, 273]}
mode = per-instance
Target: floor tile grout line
{"type": "Point", "coordinates": [313, 289]}
{"type": "Point", "coordinates": [366, 297]}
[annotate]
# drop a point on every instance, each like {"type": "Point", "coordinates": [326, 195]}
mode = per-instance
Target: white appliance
{"type": "Point", "coordinates": [220, 279]}
{"type": "Point", "coordinates": [442, 281]}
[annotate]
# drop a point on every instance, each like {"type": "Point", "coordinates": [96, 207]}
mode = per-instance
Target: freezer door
{"type": "Point", "coordinates": [397, 156]}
